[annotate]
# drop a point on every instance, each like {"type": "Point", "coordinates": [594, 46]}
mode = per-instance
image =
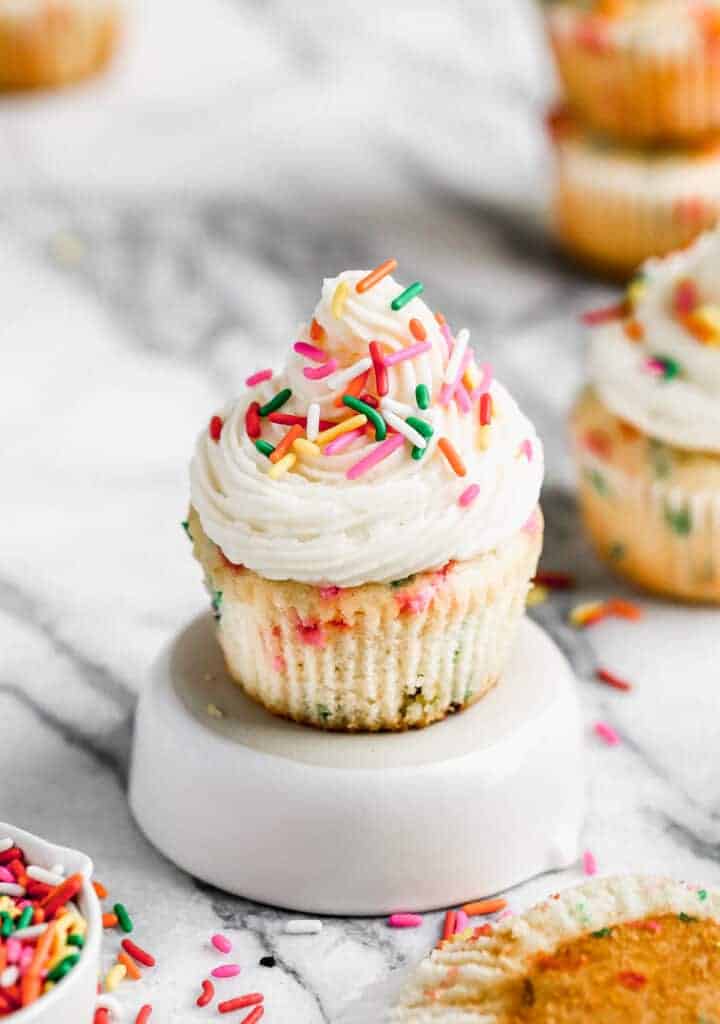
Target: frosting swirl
{"type": "Point", "coordinates": [316, 524]}
{"type": "Point", "coordinates": [659, 367]}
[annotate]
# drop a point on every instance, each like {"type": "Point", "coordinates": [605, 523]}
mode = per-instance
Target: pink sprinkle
{"type": "Point", "coordinates": [303, 348]}
{"type": "Point", "coordinates": [405, 920]}
{"type": "Point", "coordinates": [221, 943]}
{"type": "Point", "coordinates": [607, 733]}
{"type": "Point", "coordinates": [13, 948]}
{"type": "Point", "coordinates": [589, 863]}
{"type": "Point", "coordinates": [655, 367]}
{"type": "Point", "coordinates": [5, 875]}
{"type": "Point", "coordinates": [448, 390]}
{"type": "Point", "coordinates": [392, 358]}
{"type": "Point", "coordinates": [328, 592]}
{"type": "Point", "coordinates": [462, 398]}
{"type": "Point", "coordinates": [532, 526]}
{"type": "Point", "coordinates": [383, 450]}
{"type": "Point", "coordinates": [485, 384]}
{"type": "Point", "coordinates": [447, 335]}
{"type": "Point", "coordinates": [343, 442]}
{"type": "Point", "coordinates": [469, 495]}
{"type": "Point", "coordinates": [226, 971]}
{"type": "Point", "coordinates": [311, 634]}
{"type": "Point", "coordinates": [26, 957]}
{"type": "Point", "coordinates": [258, 378]}
{"type": "Point", "coordinates": [505, 914]}
{"type": "Point", "coordinates": [318, 372]}
{"type": "Point", "coordinates": [526, 449]}
{"type": "Point", "coordinates": [461, 921]}
{"type": "Point", "coordinates": [279, 664]}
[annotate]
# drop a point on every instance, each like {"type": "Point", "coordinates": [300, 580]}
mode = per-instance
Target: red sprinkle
{"type": "Point", "coordinates": [254, 1016]}
{"type": "Point", "coordinates": [62, 893]}
{"type": "Point", "coordinates": [317, 331]}
{"type": "Point", "coordinates": [102, 1016]}
{"type": "Point", "coordinates": [12, 854]}
{"type": "Point", "coordinates": [251, 999]}
{"type": "Point", "coordinates": [554, 580]}
{"type": "Point", "coordinates": [216, 425]}
{"type": "Point", "coordinates": [381, 376]}
{"type": "Point", "coordinates": [607, 733]}
{"type": "Point", "coordinates": [207, 994]}
{"type": "Point", "coordinates": [485, 409]}
{"type": "Point", "coordinates": [285, 419]}
{"type": "Point", "coordinates": [142, 957]}
{"type": "Point", "coordinates": [632, 980]}
{"type": "Point", "coordinates": [144, 1014]}
{"type": "Point", "coordinates": [605, 315]}
{"type": "Point", "coordinates": [685, 297]}
{"type": "Point", "coordinates": [612, 680]}
{"type": "Point", "coordinates": [417, 329]}
{"type": "Point", "coordinates": [252, 421]}
{"type": "Point", "coordinates": [450, 922]}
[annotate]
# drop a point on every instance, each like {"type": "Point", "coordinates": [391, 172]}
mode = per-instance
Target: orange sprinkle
{"type": "Point", "coordinates": [100, 890]}
{"type": "Point", "coordinates": [624, 609]}
{"type": "Point", "coordinates": [133, 971]}
{"type": "Point", "coordinates": [440, 318]}
{"type": "Point", "coordinates": [317, 331]}
{"type": "Point", "coordinates": [417, 329]}
{"type": "Point", "coordinates": [375, 275]}
{"type": "Point", "coordinates": [355, 388]}
{"type": "Point", "coordinates": [452, 456]}
{"type": "Point", "coordinates": [484, 929]}
{"type": "Point", "coordinates": [31, 983]}
{"type": "Point", "coordinates": [285, 445]}
{"type": "Point", "coordinates": [449, 927]}
{"type": "Point", "coordinates": [634, 330]}
{"type": "Point", "coordinates": [109, 920]}
{"type": "Point", "coordinates": [484, 907]}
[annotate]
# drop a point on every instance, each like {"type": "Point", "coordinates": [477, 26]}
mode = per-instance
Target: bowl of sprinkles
{"type": "Point", "coordinates": [367, 516]}
{"type": "Point", "coordinates": [50, 930]}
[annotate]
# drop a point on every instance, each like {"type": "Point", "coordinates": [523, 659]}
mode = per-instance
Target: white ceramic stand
{"type": "Point", "coordinates": [359, 824]}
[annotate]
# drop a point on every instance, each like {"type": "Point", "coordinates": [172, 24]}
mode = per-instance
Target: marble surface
{"type": "Point", "coordinates": [164, 230]}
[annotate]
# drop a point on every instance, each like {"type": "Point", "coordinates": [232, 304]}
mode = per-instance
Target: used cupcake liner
{"type": "Point", "coordinates": [374, 657]}
{"type": "Point", "coordinates": [614, 208]}
{"type": "Point", "coordinates": [652, 510]}
{"type": "Point", "coordinates": [56, 42]}
{"type": "Point", "coordinates": [636, 93]}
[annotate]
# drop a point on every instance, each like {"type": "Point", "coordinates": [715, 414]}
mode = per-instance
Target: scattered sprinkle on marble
{"type": "Point", "coordinates": [606, 733]}
{"type": "Point", "coordinates": [301, 926]}
{"type": "Point", "coordinates": [589, 863]}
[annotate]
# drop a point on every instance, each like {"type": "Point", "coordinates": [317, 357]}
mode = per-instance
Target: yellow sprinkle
{"type": "Point", "coordinates": [470, 377]}
{"type": "Point", "coordinates": [582, 612]}
{"type": "Point", "coordinates": [60, 954]}
{"type": "Point", "coordinates": [708, 316]}
{"type": "Point", "coordinates": [338, 299]}
{"type": "Point", "coordinates": [466, 933]}
{"type": "Point", "coordinates": [280, 468]}
{"type": "Point", "coordinates": [114, 976]}
{"type": "Point", "coordinates": [483, 437]}
{"type": "Point", "coordinates": [537, 596]}
{"type": "Point", "coordinates": [302, 446]}
{"type": "Point", "coordinates": [342, 428]}
{"type": "Point", "coordinates": [635, 290]}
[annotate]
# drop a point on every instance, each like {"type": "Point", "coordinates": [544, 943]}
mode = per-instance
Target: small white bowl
{"type": "Point", "coordinates": [72, 1001]}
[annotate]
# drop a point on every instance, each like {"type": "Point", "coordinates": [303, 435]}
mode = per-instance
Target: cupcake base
{"type": "Point", "coordinates": [376, 657]}
{"type": "Point", "coordinates": [651, 510]}
{"type": "Point", "coordinates": [273, 811]}
{"type": "Point", "coordinates": [57, 43]}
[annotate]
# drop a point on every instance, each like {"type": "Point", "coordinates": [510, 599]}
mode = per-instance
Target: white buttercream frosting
{"type": "Point", "coordinates": [315, 525]}
{"type": "Point", "coordinates": [684, 410]}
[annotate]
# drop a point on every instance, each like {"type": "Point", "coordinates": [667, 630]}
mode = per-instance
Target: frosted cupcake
{"type": "Point", "coordinates": [647, 430]}
{"type": "Point", "coordinates": [640, 70]}
{"type": "Point", "coordinates": [618, 951]}
{"type": "Point", "coordinates": [367, 517]}
{"type": "Point", "coordinates": [616, 207]}
{"type": "Point", "coordinates": [47, 43]}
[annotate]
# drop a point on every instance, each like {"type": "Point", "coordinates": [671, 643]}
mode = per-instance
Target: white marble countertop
{"type": "Point", "coordinates": [165, 229]}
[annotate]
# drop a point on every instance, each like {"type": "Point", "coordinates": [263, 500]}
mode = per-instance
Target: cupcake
{"type": "Point", "coordinates": [647, 429]}
{"type": "Point", "coordinates": [640, 70]}
{"type": "Point", "coordinates": [616, 207]}
{"type": "Point", "coordinates": [618, 951]}
{"type": "Point", "coordinates": [367, 517]}
{"type": "Point", "coordinates": [49, 43]}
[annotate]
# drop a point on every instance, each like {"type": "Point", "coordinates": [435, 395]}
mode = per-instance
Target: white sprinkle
{"type": "Point", "coordinates": [402, 427]}
{"type": "Point", "coordinates": [458, 352]}
{"type": "Point", "coordinates": [110, 1003]}
{"type": "Point", "coordinates": [58, 869]}
{"type": "Point", "coordinates": [43, 875]}
{"type": "Point", "coordinates": [303, 927]}
{"type": "Point", "coordinates": [31, 932]}
{"type": "Point", "coordinates": [11, 889]}
{"type": "Point", "coordinates": [9, 976]}
{"type": "Point", "coordinates": [6, 844]}
{"type": "Point", "coordinates": [400, 408]}
{"type": "Point", "coordinates": [313, 421]}
{"type": "Point", "coordinates": [342, 377]}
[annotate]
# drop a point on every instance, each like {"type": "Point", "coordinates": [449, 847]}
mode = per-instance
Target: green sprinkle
{"type": "Point", "coordinates": [403, 582]}
{"type": "Point", "coordinates": [702, 895]}
{"type": "Point", "coordinates": [324, 711]}
{"type": "Point", "coordinates": [61, 969]}
{"type": "Point", "coordinates": [216, 603]}
{"type": "Point", "coordinates": [275, 403]}
{"type": "Point", "coordinates": [124, 919]}
{"type": "Point", "coordinates": [456, 655]}
{"type": "Point", "coordinates": [7, 926]}
{"type": "Point", "coordinates": [372, 414]}
{"type": "Point", "coordinates": [76, 939]}
{"type": "Point", "coordinates": [686, 918]}
{"type": "Point", "coordinates": [417, 453]}
{"type": "Point", "coordinates": [617, 551]}
{"type": "Point", "coordinates": [407, 296]}
{"type": "Point", "coordinates": [670, 367]}
{"type": "Point", "coordinates": [598, 482]}
{"type": "Point", "coordinates": [604, 933]}
{"type": "Point", "coordinates": [680, 521]}
{"type": "Point", "coordinates": [422, 426]}
{"type": "Point", "coordinates": [186, 528]}
{"type": "Point", "coordinates": [422, 396]}
{"type": "Point", "coordinates": [264, 447]}
{"type": "Point", "coordinates": [661, 459]}
{"type": "Point", "coordinates": [25, 918]}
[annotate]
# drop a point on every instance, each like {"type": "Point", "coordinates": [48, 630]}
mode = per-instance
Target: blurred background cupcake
{"type": "Point", "coordinates": [51, 43]}
{"type": "Point", "coordinates": [637, 168]}
{"type": "Point", "coordinates": [647, 429]}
